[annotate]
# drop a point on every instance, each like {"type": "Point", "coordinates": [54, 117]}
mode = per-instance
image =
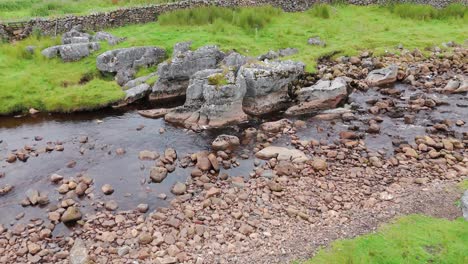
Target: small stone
{"type": "Point", "coordinates": [83, 139]}
{"type": "Point", "coordinates": [120, 151]}
{"type": "Point", "coordinates": [179, 188]}
{"type": "Point", "coordinates": [71, 214]}
{"type": "Point", "coordinates": [143, 208]}
{"type": "Point", "coordinates": [148, 155]}
{"type": "Point", "coordinates": [319, 164]}
{"type": "Point", "coordinates": [79, 253]}
{"type": "Point", "coordinates": [213, 191]}
{"type": "Point", "coordinates": [158, 174]}
{"type": "Point", "coordinates": [107, 189]}
{"type": "Point", "coordinates": [145, 238]}
{"type": "Point", "coordinates": [111, 205]}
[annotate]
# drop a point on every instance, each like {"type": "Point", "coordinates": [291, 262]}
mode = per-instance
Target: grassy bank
{"type": "Point", "coordinates": [24, 9]}
{"type": "Point", "coordinates": [51, 85]}
{"type": "Point", "coordinates": [411, 239]}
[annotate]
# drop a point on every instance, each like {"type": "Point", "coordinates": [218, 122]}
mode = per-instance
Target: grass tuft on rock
{"type": "Point", "coordinates": [410, 239]}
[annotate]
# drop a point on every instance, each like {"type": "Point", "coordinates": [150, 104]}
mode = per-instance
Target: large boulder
{"type": "Point", "coordinates": [117, 60]}
{"type": "Point", "coordinates": [75, 35]}
{"type": "Point", "coordinates": [124, 62]}
{"type": "Point", "coordinates": [267, 85]}
{"type": "Point", "coordinates": [325, 94]}
{"type": "Point", "coordinates": [214, 99]}
{"type": "Point", "coordinates": [382, 76]}
{"type": "Point", "coordinates": [174, 75]}
{"type": "Point", "coordinates": [71, 52]}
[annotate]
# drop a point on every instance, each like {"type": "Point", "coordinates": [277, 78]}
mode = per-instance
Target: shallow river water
{"type": "Point", "coordinates": [108, 130]}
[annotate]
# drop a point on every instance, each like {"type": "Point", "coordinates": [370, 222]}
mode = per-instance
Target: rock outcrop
{"type": "Point", "coordinates": [214, 99]}
{"type": "Point", "coordinates": [267, 85]}
{"type": "Point", "coordinates": [382, 76]}
{"type": "Point", "coordinates": [124, 61]}
{"type": "Point", "coordinates": [325, 94]}
{"type": "Point", "coordinates": [71, 52]}
{"type": "Point", "coordinates": [105, 36]}
{"type": "Point", "coordinates": [174, 75]}
{"type": "Point", "coordinates": [459, 84]}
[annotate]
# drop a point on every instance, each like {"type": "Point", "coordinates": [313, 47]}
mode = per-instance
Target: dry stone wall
{"type": "Point", "coordinates": [145, 14]}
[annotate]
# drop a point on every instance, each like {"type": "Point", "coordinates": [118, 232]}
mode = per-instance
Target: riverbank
{"type": "Point", "coordinates": [32, 81]}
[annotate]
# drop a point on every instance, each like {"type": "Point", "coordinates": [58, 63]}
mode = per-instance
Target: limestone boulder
{"type": "Point", "coordinates": [174, 75]}
{"type": "Point", "coordinates": [382, 76]}
{"type": "Point", "coordinates": [325, 94]}
{"type": "Point", "coordinates": [267, 85]}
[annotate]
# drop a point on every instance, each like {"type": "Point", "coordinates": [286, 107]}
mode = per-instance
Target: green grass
{"type": "Point", "coordinates": [32, 81]}
{"type": "Point", "coordinates": [22, 9]}
{"type": "Point", "coordinates": [411, 239]}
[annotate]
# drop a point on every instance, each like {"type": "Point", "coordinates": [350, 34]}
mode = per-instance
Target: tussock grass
{"type": "Point", "coordinates": [320, 10]}
{"type": "Point", "coordinates": [32, 81]}
{"type": "Point", "coordinates": [425, 12]}
{"type": "Point", "coordinates": [249, 19]}
{"type": "Point", "coordinates": [411, 239]}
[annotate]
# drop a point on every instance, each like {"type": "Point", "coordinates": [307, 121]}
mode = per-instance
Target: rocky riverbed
{"type": "Point", "coordinates": [268, 190]}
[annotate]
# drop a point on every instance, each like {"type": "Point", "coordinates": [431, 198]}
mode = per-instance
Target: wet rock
{"type": "Point", "coordinates": [155, 113]}
{"type": "Point", "coordinates": [148, 155]}
{"type": "Point", "coordinates": [107, 189]}
{"type": "Point", "coordinates": [11, 158]}
{"type": "Point", "coordinates": [382, 76]}
{"type": "Point", "coordinates": [374, 128]}
{"type": "Point", "coordinates": [282, 153]}
{"type": "Point", "coordinates": [267, 85]}
{"type": "Point", "coordinates": [71, 214]}
{"type": "Point", "coordinates": [158, 174]}
{"type": "Point", "coordinates": [223, 142]}
{"type": "Point", "coordinates": [111, 205]}
{"type": "Point", "coordinates": [203, 163]}
{"type": "Point", "coordinates": [33, 196]}
{"type": "Point", "coordinates": [143, 208]}
{"type": "Point", "coordinates": [6, 189]}
{"type": "Point", "coordinates": [81, 188]}
{"type": "Point", "coordinates": [71, 52]}
{"type": "Point", "coordinates": [323, 95]}
{"type": "Point", "coordinates": [83, 139]}
{"type": "Point", "coordinates": [459, 84]}
{"type": "Point", "coordinates": [33, 111]}
{"type": "Point", "coordinates": [179, 188]}
{"type": "Point", "coordinates": [79, 253]}
{"type": "Point", "coordinates": [174, 75]}
{"type": "Point", "coordinates": [275, 126]}
{"type": "Point", "coordinates": [214, 99]}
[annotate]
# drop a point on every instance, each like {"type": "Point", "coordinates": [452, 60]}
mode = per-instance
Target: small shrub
{"type": "Point", "coordinates": [320, 10]}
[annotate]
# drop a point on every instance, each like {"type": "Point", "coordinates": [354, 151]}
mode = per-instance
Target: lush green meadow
{"type": "Point", "coordinates": [23, 9]}
{"type": "Point", "coordinates": [410, 239]}
{"type": "Point", "coordinates": [51, 85]}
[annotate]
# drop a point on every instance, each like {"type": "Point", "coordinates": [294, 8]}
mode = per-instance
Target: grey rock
{"type": "Point", "coordinates": [120, 59]}
{"type": "Point", "coordinates": [124, 76]}
{"type": "Point", "coordinates": [31, 49]}
{"type": "Point", "coordinates": [382, 76]}
{"type": "Point", "coordinates": [267, 85]}
{"type": "Point", "coordinates": [79, 253]}
{"type": "Point", "coordinates": [138, 81]}
{"type": "Point", "coordinates": [181, 47]}
{"type": "Point", "coordinates": [464, 205]}
{"type": "Point", "coordinates": [316, 41]}
{"type": "Point", "coordinates": [325, 94]}
{"type": "Point", "coordinates": [270, 55]}
{"type": "Point", "coordinates": [75, 34]}
{"type": "Point", "coordinates": [174, 75]}
{"type": "Point", "coordinates": [136, 93]}
{"type": "Point", "coordinates": [71, 52]}
{"type": "Point", "coordinates": [287, 52]}
{"type": "Point", "coordinates": [234, 61]}
{"type": "Point", "coordinates": [33, 196]}
{"type": "Point", "coordinates": [122, 251]}
{"type": "Point", "coordinates": [214, 99]}
{"type": "Point", "coordinates": [105, 36]}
